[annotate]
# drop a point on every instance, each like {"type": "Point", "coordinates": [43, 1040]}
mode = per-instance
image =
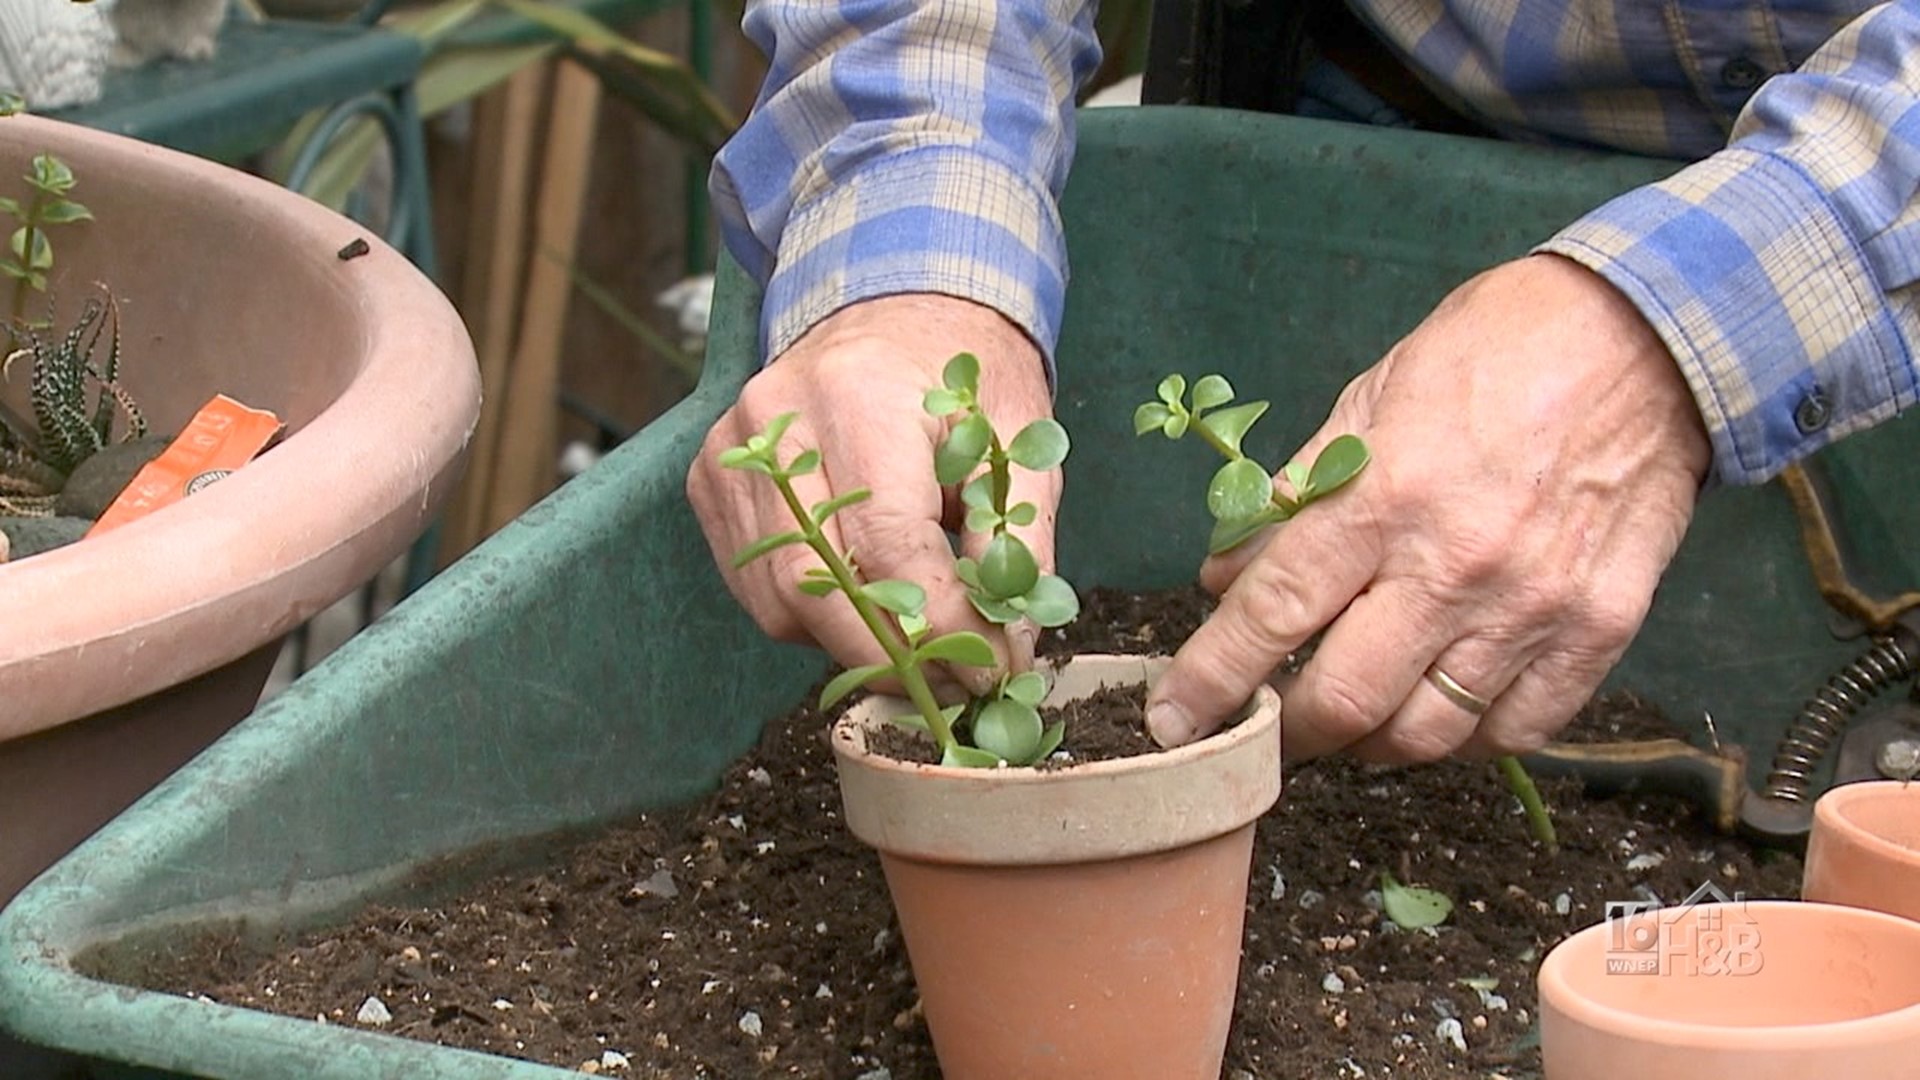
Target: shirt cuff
{"type": "Point", "coordinates": [1746, 270]}
{"type": "Point", "coordinates": [941, 219]}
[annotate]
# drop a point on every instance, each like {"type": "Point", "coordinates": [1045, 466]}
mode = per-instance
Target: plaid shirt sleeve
{"type": "Point", "coordinates": [906, 146]}
{"type": "Point", "coordinates": [1782, 271]}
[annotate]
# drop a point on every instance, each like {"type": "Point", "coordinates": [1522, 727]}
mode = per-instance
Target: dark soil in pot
{"type": "Point", "coordinates": [752, 936]}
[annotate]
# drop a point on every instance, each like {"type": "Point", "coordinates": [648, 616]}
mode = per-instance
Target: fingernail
{"type": "Point", "coordinates": [1024, 639]}
{"type": "Point", "coordinates": [1168, 724]}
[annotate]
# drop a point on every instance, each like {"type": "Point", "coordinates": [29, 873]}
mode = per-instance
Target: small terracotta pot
{"type": "Point", "coordinates": [1864, 849]}
{"type": "Point", "coordinates": [1756, 990]}
{"type": "Point", "coordinates": [1073, 923]}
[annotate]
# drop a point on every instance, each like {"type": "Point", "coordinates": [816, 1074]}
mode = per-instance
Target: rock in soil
{"type": "Point", "coordinates": [100, 479]}
{"type": "Point", "coordinates": [32, 536]}
{"type": "Point", "coordinates": [776, 914]}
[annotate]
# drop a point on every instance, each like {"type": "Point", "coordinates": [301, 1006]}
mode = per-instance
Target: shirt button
{"type": "Point", "coordinates": [1741, 73]}
{"type": "Point", "coordinates": [1812, 413]}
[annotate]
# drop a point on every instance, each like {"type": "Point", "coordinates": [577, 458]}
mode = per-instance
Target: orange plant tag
{"type": "Point", "coordinates": [222, 436]}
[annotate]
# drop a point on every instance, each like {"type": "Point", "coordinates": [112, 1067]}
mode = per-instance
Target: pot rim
{"type": "Point", "coordinates": [1833, 820]}
{"type": "Point", "coordinates": [1556, 992]}
{"type": "Point", "coordinates": [198, 584]}
{"type": "Point", "coordinates": [1021, 815]}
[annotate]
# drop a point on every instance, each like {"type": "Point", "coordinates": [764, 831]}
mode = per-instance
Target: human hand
{"type": "Point", "coordinates": [1536, 456]}
{"type": "Point", "coordinates": [857, 380]}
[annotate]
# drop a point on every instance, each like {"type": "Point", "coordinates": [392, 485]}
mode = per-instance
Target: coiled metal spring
{"type": "Point", "coordinates": [1825, 715]}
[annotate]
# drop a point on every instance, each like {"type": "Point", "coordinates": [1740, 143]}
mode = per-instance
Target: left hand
{"type": "Point", "coordinates": [1536, 456]}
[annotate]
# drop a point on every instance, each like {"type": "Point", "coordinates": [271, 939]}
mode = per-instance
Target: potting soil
{"type": "Point", "coordinates": [751, 936]}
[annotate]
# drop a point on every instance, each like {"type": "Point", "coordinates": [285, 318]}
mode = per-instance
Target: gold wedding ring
{"type": "Point", "coordinates": [1456, 693]}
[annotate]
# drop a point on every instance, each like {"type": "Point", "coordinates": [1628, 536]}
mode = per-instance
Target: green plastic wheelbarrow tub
{"type": "Point", "coordinates": [586, 662]}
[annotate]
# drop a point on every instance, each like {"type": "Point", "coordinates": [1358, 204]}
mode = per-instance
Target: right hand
{"type": "Point", "coordinates": [856, 380]}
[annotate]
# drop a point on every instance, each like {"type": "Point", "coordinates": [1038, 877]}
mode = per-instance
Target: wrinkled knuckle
{"type": "Point", "coordinates": [1541, 601]}
{"type": "Point", "coordinates": [758, 402]}
{"type": "Point", "coordinates": [1612, 620]}
{"type": "Point", "coordinates": [1345, 711]}
{"type": "Point", "coordinates": [1275, 610]}
{"type": "Point", "coordinates": [1418, 744]}
{"type": "Point", "coordinates": [1481, 557]}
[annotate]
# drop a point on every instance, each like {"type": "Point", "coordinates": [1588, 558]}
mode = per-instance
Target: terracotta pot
{"type": "Point", "coordinates": [1072, 923]}
{"type": "Point", "coordinates": [1756, 990]}
{"type": "Point", "coordinates": [1864, 849]}
{"type": "Point", "coordinates": [122, 655]}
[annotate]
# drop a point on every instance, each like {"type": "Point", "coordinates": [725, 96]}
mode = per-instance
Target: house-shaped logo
{"type": "Point", "coordinates": [1710, 893]}
{"type": "Point", "coordinates": [1720, 938]}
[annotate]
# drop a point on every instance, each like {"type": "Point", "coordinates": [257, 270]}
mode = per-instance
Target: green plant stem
{"type": "Point", "coordinates": [20, 287]}
{"type": "Point", "coordinates": [1002, 478]}
{"type": "Point", "coordinates": [1520, 782]}
{"type": "Point", "coordinates": [899, 653]}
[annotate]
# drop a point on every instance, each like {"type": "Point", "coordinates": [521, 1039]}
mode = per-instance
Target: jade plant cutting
{"type": "Point", "coordinates": [48, 205]}
{"type": "Point", "coordinates": [1243, 498]}
{"type": "Point", "coordinates": [1004, 584]}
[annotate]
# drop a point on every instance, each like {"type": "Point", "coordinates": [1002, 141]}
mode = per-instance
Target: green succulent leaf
{"type": "Point", "coordinates": [807, 462]}
{"type": "Point", "coordinates": [978, 492]}
{"type": "Point", "coordinates": [899, 597]}
{"type": "Point", "coordinates": [51, 174]}
{"type": "Point", "coordinates": [1027, 688]}
{"type": "Point", "coordinates": [1231, 425]}
{"type": "Point", "coordinates": [962, 373]}
{"type": "Point", "coordinates": [960, 453]}
{"type": "Point", "coordinates": [1341, 461]}
{"type": "Point", "coordinates": [915, 626]}
{"type": "Point", "coordinates": [1052, 602]}
{"type": "Point", "coordinates": [1230, 534]}
{"type": "Point", "coordinates": [982, 519]}
{"type": "Point", "coordinates": [817, 582]}
{"type": "Point", "coordinates": [967, 757]}
{"type": "Point", "coordinates": [968, 571]}
{"type": "Point", "coordinates": [1413, 907]}
{"type": "Point", "coordinates": [828, 507]}
{"type": "Point", "coordinates": [1007, 567]}
{"type": "Point", "coordinates": [1050, 739]}
{"type": "Point", "coordinates": [776, 428]}
{"type": "Point", "coordinates": [11, 104]}
{"type": "Point", "coordinates": [10, 206]}
{"type": "Point", "coordinates": [1172, 389]}
{"type": "Point", "coordinates": [764, 545]}
{"type": "Point", "coordinates": [850, 680]}
{"type": "Point", "coordinates": [1040, 446]}
{"type": "Point", "coordinates": [1152, 416]}
{"type": "Point", "coordinates": [1008, 729]}
{"type": "Point", "coordinates": [941, 402]}
{"type": "Point", "coordinates": [1239, 490]}
{"type": "Point", "coordinates": [64, 212]}
{"type": "Point", "coordinates": [912, 721]}
{"type": "Point", "coordinates": [960, 647]}
{"type": "Point", "coordinates": [1176, 425]}
{"type": "Point", "coordinates": [1022, 514]}
{"type": "Point", "coordinates": [735, 457]}
{"type": "Point", "coordinates": [42, 257]}
{"type": "Point", "coordinates": [1297, 475]}
{"type": "Point", "coordinates": [994, 610]}
{"type": "Point", "coordinates": [1211, 391]}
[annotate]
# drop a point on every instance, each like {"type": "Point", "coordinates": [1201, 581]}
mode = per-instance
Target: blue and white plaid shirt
{"type": "Point", "coordinates": [920, 145]}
